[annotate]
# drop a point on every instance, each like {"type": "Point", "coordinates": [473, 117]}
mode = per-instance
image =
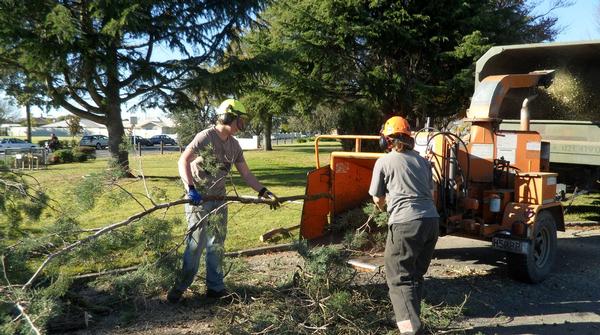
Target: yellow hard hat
{"type": "Point", "coordinates": [232, 106]}
{"type": "Point", "coordinates": [396, 125]}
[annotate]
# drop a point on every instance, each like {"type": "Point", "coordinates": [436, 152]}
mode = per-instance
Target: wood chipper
{"type": "Point", "coordinates": [490, 185]}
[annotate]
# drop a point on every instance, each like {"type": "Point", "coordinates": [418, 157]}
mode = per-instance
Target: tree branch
{"type": "Point", "coordinates": [72, 109]}
{"type": "Point", "coordinates": [76, 97]}
{"type": "Point", "coordinates": [137, 216]}
{"type": "Point", "coordinates": [22, 311]}
{"type": "Point", "coordinates": [130, 195]}
{"type": "Point", "coordinates": [135, 76]}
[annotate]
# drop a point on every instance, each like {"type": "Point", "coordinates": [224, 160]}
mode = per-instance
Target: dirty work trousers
{"type": "Point", "coordinates": [408, 251]}
{"type": "Point", "coordinates": [210, 236]}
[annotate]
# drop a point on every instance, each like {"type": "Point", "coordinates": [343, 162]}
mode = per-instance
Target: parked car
{"type": "Point", "coordinates": [156, 139]}
{"type": "Point", "coordinates": [16, 144]}
{"type": "Point", "coordinates": [97, 141]}
{"type": "Point", "coordinates": [140, 140]}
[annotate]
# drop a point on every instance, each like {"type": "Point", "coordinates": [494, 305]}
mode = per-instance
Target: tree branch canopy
{"type": "Point", "coordinates": [89, 57]}
{"type": "Point", "coordinates": [369, 60]}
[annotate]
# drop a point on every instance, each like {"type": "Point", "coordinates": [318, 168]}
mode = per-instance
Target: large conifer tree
{"type": "Point", "coordinates": [93, 56]}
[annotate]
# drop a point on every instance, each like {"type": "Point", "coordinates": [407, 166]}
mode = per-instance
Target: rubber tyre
{"type": "Point", "coordinates": [536, 266]}
{"type": "Point", "coordinates": [98, 146]}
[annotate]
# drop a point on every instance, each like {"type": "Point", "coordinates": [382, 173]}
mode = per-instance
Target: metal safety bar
{"type": "Point", "coordinates": [357, 144]}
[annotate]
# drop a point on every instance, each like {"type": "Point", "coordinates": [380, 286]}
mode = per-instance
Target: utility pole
{"type": "Point", "coordinates": [28, 113]}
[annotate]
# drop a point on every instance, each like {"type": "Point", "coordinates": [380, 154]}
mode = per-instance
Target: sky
{"type": "Point", "coordinates": [579, 22]}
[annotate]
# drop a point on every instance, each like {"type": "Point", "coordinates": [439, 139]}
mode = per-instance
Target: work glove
{"type": "Point", "coordinates": [194, 195]}
{"type": "Point", "coordinates": [266, 194]}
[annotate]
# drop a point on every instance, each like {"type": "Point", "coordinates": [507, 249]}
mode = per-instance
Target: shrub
{"type": "Point", "coordinates": [79, 156]}
{"type": "Point", "coordinates": [89, 152]}
{"type": "Point", "coordinates": [62, 156]}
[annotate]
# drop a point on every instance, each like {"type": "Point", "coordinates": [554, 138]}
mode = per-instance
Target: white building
{"type": "Point", "coordinates": [144, 128]}
{"type": "Point", "coordinates": [150, 127]}
{"type": "Point", "coordinates": [61, 128]}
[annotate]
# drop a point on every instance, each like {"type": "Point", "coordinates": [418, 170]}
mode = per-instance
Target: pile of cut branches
{"type": "Point", "coordinates": [40, 277]}
{"type": "Point", "coordinates": [324, 296]}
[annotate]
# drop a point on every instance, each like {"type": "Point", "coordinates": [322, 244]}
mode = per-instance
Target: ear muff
{"type": "Point", "coordinates": [228, 118]}
{"type": "Point", "coordinates": [384, 143]}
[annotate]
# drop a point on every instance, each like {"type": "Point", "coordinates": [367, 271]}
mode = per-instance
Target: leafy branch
{"type": "Point", "coordinates": [137, 216]}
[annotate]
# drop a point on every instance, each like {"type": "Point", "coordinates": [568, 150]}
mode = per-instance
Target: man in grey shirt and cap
{"type": "Point", "coordinates": [217, 145]}
{"type": "Point", "coordinates": [403, 180]}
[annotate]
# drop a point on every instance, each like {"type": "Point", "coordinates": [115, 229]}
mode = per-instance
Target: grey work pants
{"type": "Point", "coordinates": [408, 251]}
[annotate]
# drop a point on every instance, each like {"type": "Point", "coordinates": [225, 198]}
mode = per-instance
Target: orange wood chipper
{"type": "Point", "coordinates": [493, 185]}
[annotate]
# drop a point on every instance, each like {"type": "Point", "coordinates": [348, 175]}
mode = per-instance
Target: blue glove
{"type": "Point", "coordinates": [194, 196]}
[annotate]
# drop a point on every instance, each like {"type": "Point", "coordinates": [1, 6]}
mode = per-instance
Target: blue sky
{"type": "Point", "coordinates": [581, 21]}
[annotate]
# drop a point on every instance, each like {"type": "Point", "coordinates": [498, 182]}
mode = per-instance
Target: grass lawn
{"type": "Point", "coordinates": [585, 207]}
{"type": "Point", "coordinates": [282, 170]}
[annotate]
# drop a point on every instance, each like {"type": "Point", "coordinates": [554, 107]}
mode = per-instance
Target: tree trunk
{"type": "Point", "coordinates": [116, 131]}
{"type": "Point", "coordinates": [268, 122]}
{"type": "Point", "coordinates": [28, 114]}
{"type": "Point", "coordinates": [114, 124]}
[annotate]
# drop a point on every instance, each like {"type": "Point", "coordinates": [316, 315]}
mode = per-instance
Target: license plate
{"type": "Point", "coordinates": [510, 245]}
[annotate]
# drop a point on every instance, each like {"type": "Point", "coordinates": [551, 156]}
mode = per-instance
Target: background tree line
{"type": "Point", "coordinates": [329, 64]}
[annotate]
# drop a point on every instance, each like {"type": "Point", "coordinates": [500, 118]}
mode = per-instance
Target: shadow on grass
{"type": "Point", "coordinates": [173, 178]}
{"type": "Point", "coordinates": [587, 212]}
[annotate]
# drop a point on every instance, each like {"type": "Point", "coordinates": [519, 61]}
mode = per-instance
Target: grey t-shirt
{"type": "Point", "coordinates": [214, 161]}
{"type": "Point", "coordinates": [405, 180]}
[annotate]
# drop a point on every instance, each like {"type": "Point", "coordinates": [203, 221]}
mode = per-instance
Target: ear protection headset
{"type": "Point", "coordinates": [387, 142]}
{"type": "Point", "coordinates": [229, 116]}
{"type": "Point", "coordinates": [230, 111]}
{"type": "Point", "coordinates": [384, 143]}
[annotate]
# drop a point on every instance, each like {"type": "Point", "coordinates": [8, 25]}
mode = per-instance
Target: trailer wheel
{"type": "Point", "coordinates": [537, 264]}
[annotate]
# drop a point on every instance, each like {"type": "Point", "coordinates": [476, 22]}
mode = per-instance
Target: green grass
{"type": "Point", "coordinates": [584, 207]}
{"type": "Point", "coordinates": [282, 170]}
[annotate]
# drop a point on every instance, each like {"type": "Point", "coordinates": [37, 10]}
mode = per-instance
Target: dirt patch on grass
{"type": "Point", "coordinates": [568, 302]}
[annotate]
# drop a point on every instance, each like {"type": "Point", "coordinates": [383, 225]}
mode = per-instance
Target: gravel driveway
{"type": "Point", "coordinates": [568, 302]}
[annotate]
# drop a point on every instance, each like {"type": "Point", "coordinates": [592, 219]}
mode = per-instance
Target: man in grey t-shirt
{"type": "Point", "coordinates": [204, 167]}
{"type": "Point", "coordinates": [403, 180]}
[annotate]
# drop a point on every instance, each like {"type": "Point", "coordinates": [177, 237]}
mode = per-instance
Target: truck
{"type": "Point", "coordinates": [574, 140]}
{"type": "Point", "coordinates": [495, 184]}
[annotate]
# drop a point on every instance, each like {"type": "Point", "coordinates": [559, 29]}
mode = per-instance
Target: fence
{"type": "Point", "coordinates": [32, 158]}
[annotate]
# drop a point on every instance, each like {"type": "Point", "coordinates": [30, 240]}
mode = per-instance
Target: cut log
{"type": "Point", "coordinates": [262, 250]}
{"type": "Point", "coordinates": [271, 233]}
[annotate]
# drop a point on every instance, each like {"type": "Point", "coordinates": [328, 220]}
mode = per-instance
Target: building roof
{"type": "Point", "coordinates": [160, 122]}
{"type": "Point", "coordinates": [83, 122]}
